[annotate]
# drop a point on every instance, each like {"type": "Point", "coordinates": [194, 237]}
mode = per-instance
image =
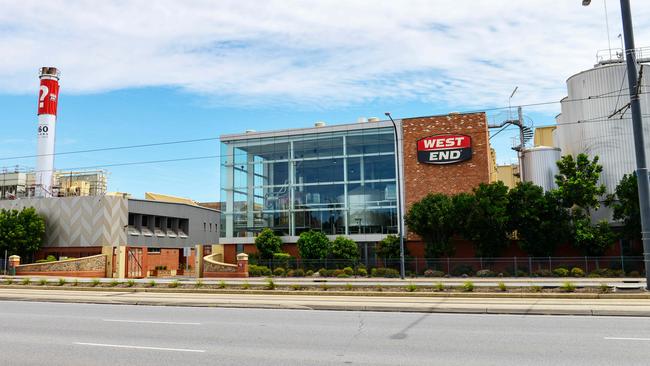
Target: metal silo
{"type": "Point", "coordinates": [540, 166]}
{"type": "Point", "coordinates": [595, 121]}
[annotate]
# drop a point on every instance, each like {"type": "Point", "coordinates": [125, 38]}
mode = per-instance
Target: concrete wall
{"type": "Point", "coordinates": [78, 221]}
{"type": "Point", "coordinates": [196, 216]}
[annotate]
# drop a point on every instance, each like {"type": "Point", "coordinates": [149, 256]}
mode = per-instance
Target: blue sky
{"type": "Point", "coordinates": [145, 72]}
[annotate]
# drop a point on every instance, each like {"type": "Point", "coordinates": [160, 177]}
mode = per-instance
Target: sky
{"type": "Point", "coordinates": [140, 72]}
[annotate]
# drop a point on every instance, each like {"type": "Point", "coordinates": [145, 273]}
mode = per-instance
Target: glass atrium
{"type": "Point", "coordinates": [340, 183]}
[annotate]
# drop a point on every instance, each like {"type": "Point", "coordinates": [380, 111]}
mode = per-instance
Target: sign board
{"type": "Point", "coordinates": [444, 149]}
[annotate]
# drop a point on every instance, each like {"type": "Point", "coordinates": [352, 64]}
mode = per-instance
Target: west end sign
{"type": "Point", "coordinates": [444, 149]}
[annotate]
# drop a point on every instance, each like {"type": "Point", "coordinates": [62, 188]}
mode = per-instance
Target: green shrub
{"type": "Point", "coordinates": [290, 273]}
{"type": "Point", "coordinates": [267, 243]}
{"type": "Point", "coordinates": [343, 248]}
{"type": "Point", "coordinates": [348, 271]}
{"type": "Point", "coordinates": [26, 281]}
{"type": "Point", "coordinates": [9, 281]}
{"type": "Point", "coordinates": [411, 287]}
{"type": "Point", "coordinates": [577, 272]}
{"type": "Point", "coordinates": [325, 272]}
{"type": "Point", "coordinates": [42, 282]}
{"type": "Point", "coordinates": [270, 285]}
{"type": "Point", "coordinates": [502, 286]}
{"type": "Point", "coordinates": [278, 272]}
{"type": "Point", "coordinates": [152, 283]}
{"type": "Point", "coordinates": [361, 272]}
{"type": "Point", "coordinates": [173, 284]}
{"type": "Point", "coordinates": [349, 287]}
{"type": "Point", "coordinates": [561, 272]}
{"type": "Point", "coordinates": [130, 283]}
{"type": "Point", "coordinates": [296, 287]}
{"type": "Point", "coordinates": [258, 271]}
{"type": "Point", "coordinates": [50, 258]}
{"type": "Point", "coordinates": [485, 273]}
{"type": "Point", "coordinates": [309, 273]}
{"type": "Point", "coordinates": [281, 259]}
{"type": "Point", "coordinates": [462, 269]}
{"type": "Point", "coordinates": [468, 286]}
{"type": "Point", "coordinates": [433, 273]}
{"type": "Point", "coordinates": [198, 283]}
{"type": "Point", "coordinates": [342, 275]}
{"type": "Point", "coordinates": [221, 284]}
{"type": "Point", "coordinates": [95, 282]}
{"type": "Point", "coordinates": [62, 281]}
{"type": "Point", "coordinates": [543, 273]}
{"type": "Point", "coordinates": [313, 245]}
{"type": "Point", "coordinates": [299, 272]}
{"type": "Point", "coordinates": [113, 283]}
{"type": "Point", "coordinates": [439, 287]}
{"type": "Point", "coordinates": [324, 287]}
{"type": "Point", "coordinates": [246, 285]}
{"type": "Point", "coordinates": [568, 287]}
{"type": "Point", "coordinates": [384, 272]}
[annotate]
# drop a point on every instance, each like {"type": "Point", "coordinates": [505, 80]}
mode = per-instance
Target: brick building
{"type": "Point", "coordinates": [342, 179]}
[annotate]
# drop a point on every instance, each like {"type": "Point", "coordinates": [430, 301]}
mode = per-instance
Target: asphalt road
{"type": "Point", "coordinates": [83, 334]}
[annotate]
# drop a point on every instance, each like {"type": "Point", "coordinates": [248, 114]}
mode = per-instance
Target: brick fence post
{"type": "Point", "coordinates": [242, 263]}
{"type": "Point", "coordinates": [14, 261]}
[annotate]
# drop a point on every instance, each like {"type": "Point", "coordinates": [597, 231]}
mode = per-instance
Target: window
{"type": "Point", "coordinates": [153, 250]}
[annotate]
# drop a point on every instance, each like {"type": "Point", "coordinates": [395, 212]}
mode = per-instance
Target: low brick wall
{"type": "Point", "coordinates": [213, 268]}
{"type": "Point", "coordinates": [93, 266]}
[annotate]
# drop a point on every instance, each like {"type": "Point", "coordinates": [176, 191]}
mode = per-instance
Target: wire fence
{"type": "Point", "coordinates": [615, 266]}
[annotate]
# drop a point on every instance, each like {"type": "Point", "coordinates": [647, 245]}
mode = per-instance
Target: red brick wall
{"type": "Point", "coordinates": [422, 179]}
{"type": "Point", "coordinates": [166, 257]}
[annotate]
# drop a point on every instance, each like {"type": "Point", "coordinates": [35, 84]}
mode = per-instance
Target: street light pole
{"type": "Point", "coordinates": [637, 129]}
{"type": "Point", "coordinates": [402, 268]}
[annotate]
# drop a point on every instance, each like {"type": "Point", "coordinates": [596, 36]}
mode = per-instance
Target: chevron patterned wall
{"type": "Point", "coordinates": [79, 221]}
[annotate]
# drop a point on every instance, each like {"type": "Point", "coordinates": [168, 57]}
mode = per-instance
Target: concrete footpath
{"type": "Point", "coordinates": [539, 305]}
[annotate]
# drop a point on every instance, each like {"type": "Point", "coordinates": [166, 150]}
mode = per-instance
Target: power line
{"type": "Point", "coordinates": [174, 142]}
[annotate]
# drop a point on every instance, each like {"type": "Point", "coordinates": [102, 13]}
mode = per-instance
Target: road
{"type": "Point", "coordinates": [35, 333]}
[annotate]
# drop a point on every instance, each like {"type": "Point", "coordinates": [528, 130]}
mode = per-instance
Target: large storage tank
{"type": "Point", "coordinates": [540, 166]}
{"type": "Point", "coordinates": [589, 122]}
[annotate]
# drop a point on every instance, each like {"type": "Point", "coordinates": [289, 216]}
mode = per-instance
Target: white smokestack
{"type": "Point", "coordinates": [47, 102]}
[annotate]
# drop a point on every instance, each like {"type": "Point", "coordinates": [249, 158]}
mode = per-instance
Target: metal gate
{"type": "Point", "coordinates": [134, 262]}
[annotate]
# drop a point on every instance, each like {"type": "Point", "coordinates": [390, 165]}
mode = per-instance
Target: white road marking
{"type": "Point", "coordinates": [627, 339]}
{"type": "Point", "coordinates": [148, 322]}
{"type": "Point", "coordinates": [140, 347]}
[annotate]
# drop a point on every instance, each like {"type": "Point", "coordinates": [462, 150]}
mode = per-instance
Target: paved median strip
{"type": "Point", "coordinates": [149, 322]}
{"type": "Point", "coordinates": [139, 347]}
{"type": "Point", "coordinates": [626, 339]}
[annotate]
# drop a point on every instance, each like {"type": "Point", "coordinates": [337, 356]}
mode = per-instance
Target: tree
{"type": "Point", "coordinates": [538, 218]}
{"type": "Point", "coordinates": [344, 248]}
{"type": "Point", "coordinates": [432, 218]}
{"type": "Point", "coordinates": [577, 182]}
{"type": "Point", "coordinates": [388, 248]}
{"type": "Point", "coordinates": [625, 203]}
{"type": "Point", "coordinates": [592, 239]}
{"type": "Point", "coordinates": [267, 243]}
{"type": "Point", "coordinates": [486, 223]}
{"type": "Point", "coordinates": [313, 245]}
{"type": "Point", "coordinates": [21, 232]}
{"type": "Point", "coordinates": [579, 191]}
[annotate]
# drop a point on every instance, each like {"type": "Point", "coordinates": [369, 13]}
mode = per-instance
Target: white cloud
{"type": "Point", "coordinates": [463, 53]}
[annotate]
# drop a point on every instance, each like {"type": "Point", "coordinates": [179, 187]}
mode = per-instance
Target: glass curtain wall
{"type": "Point", "coordinates": [340, 183]}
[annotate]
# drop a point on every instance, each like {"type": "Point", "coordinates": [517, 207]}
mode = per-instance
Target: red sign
{"type": "Point", "coordinates": [444, 149]}
{"type": "Point", "coordinates": [48, 96]}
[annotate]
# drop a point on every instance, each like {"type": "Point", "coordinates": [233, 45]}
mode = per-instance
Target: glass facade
{"type": "Point", "coordinates": [340, 183]}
